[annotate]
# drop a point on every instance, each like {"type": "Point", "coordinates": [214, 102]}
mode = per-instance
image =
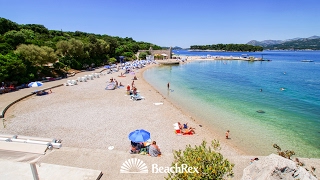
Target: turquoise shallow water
{"type": "Point", "coordinates": [226, 95]}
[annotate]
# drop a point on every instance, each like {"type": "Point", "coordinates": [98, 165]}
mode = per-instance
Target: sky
{"type": "Point", "coordinates": [173, 22]}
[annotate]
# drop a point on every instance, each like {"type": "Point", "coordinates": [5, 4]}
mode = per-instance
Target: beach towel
{"type": "Point", "coordinates": [111, 86]}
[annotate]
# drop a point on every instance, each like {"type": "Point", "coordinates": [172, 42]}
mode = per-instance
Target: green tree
{"type": "Point", "coordinates": [12, 68]}
{"type": "Point", "coordinates": [5, 48]}
{"type": "Point", "coordinates": [7, 25]}
{"type": "Point", "coordinates": [48, 55]}
{"type": "Point", "coordinates": [15, 38]}
{"type": "Point", "coordinates": [143, 55]}
{"type": "Point", "coordinates": [74, 49]}
{"type": "Point", "coordinates": [36, 55]}
{"type": "Point", "coordinates": [63, 48]}
{"type": "Point", "coordinates": [209, 162]}
{"type": "Point", "coordinates": [77, 49]}
{"type": "Point", "coordinates": [31, 53]}
{"type": "Point", "coordinates": [38, 28]}
{"type": "Point", "coordinates": [129, 56]}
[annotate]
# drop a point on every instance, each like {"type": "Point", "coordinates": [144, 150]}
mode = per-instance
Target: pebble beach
{"type": "Point", "coordinates": [89, 120]}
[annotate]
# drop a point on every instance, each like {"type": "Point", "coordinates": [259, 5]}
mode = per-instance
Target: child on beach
{"type": "Point", "coordinates": [227, 134]}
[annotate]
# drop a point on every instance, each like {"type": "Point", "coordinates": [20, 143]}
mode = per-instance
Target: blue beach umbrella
{"type": "Point", "coordinates": [35, 84]}
{"type": "Point", "coordinates": [139, 135]}
{"type": "Point", "coordinates": [107, 67]}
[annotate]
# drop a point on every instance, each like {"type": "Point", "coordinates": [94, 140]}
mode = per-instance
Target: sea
{"type": "Point", "coordinates": [262, 103]}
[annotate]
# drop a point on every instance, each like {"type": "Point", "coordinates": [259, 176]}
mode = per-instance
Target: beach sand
{"type": "Point", "coordinates": [89, 119]}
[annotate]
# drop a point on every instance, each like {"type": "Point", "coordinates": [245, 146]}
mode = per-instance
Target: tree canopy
{"type": "Point", "coordinates": [27, 49]}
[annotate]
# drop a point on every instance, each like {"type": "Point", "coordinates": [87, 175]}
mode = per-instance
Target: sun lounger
{"type": "Point", "coordinates": [84, 79]}
{"type": "Point", "coordinates": [95, 75]}
{"type": "Point", "coordinates": [69, 83]}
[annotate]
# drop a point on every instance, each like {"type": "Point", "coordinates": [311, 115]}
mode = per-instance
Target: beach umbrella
{"type": "Point", "coordinates": [139, 135]}
{"type": "Point", "coordinates": [107, 67]}
{"type": "Point", "coordinates": [35, 84]}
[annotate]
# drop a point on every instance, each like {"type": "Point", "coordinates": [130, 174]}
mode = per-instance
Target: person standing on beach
{"type": "Point", "coordinates": [227, 134]}
{"type": "Point", "coordinates": [128, 89]}
{"type": "Point", "coordinates": [168, 85]}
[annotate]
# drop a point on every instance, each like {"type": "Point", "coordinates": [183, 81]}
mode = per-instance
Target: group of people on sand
{"type": "Point", "coordinates": [145, 148]}
{"type": "Point", "coordinates": [117, 85]}
{"type": "Point", "coordinates": [132, 90]}
{"type": "Point", "coordinates": [185, 130]}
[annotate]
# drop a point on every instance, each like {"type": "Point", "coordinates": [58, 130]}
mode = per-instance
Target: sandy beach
{"type": "Point", "coordinates": [89, 119]}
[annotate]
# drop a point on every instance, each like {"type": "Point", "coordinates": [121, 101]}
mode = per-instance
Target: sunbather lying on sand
{"type": "Point", "coordinates": [189, 131]}
{"type": "Point", "coordinates": [40, 93]}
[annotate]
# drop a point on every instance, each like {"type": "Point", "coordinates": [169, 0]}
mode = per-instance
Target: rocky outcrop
{"type": "Point", "coordinates": [274, 167]}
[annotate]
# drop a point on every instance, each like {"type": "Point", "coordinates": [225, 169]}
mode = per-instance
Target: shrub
{"type": "Point", "coordinates": [112, 60]}
{"type": "Point", "coordinates": [143, 55]}
{"type": "Point", "coordinates": [209, 162]}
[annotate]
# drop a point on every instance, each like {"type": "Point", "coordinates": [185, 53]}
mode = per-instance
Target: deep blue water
{"type": "Point", "coordinates": [227, 94]}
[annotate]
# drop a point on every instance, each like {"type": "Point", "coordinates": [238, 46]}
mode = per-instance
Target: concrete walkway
{"type": "Point", "coordinates": [23, 171]}
{"type": "Point", "coordinates": [8, 98]}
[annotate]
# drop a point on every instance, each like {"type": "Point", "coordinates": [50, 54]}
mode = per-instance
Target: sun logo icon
{"type": "Point", "coordinates": [134, 165]}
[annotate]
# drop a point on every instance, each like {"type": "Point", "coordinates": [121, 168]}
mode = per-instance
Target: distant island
{"type": "Point", "coordinates": [227, 47]}
{"type": "Point", "coordinates": [310, 43]}
{"type": "Point", "coordinates": [295, 44]}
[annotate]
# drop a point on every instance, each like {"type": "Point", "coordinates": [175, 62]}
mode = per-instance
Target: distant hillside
{"type": "Point", "coordinates": [312, 42]}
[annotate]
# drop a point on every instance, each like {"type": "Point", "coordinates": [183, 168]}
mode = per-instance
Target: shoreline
{"type": "Point", "coordinates": [197, 120]}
